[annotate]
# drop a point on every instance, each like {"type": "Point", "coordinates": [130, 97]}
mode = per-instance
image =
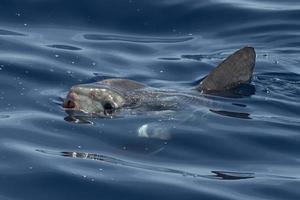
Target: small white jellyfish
{"type": "Point", "coordinates": [154, 130]}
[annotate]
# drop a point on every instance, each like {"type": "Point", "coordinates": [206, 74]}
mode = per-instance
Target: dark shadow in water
{"type": "Point", "coordinates": [224, 175]}
{"type": "Point", "coordinates": [115, 161]}
{"type": "Point", "coordinates": [239, 105]}
{"type": "Point", "coordinates": [4, 116]}
{"type": "Point", "coordinates": [102, 37]}
{"type": "Point", "coordinates": [11, 33]}
{"type": "Point", "coordinates": [240, 115]}
{"type": "Point", "coordinates": [64, 47]}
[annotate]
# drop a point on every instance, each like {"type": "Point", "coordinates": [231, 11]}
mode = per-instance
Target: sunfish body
{"type": "Point", "coordinates": [106, 97]}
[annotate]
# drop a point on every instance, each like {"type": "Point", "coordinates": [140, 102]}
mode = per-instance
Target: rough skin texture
{"type": "Point", "coordinates": [234, 70]}
{"type": "Point", "coordinates": [122, 85]}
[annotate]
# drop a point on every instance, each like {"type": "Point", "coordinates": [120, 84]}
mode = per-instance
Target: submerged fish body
{"type": "Point", "coordinates": [106, 97]}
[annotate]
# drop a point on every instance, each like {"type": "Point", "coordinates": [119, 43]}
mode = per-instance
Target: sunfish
{"type": "Point", "coordinates": [106, 97]}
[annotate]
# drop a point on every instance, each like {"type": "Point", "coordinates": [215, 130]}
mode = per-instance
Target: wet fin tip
{"type": "Point", "coordinates": [234, 70]}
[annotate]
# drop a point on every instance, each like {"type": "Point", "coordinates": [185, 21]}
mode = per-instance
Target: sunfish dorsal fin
{"type": "Point", "coordinates": [234, 70]}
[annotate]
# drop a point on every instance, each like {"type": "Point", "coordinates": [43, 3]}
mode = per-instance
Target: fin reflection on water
{"type": "Point", "coordinates": [240, 115]}
{"type": "Point", "coordinates": [221, 175]}
{"type": "Point", "coordinates": [232, 175]}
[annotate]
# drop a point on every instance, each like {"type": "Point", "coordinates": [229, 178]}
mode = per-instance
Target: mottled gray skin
{"type": "Point", "coordinates": [234, 70]}
{"type": "Point", "coordinates": [108, 96]}
{"type": "Point", "coordinates": [105, 97]}
{"type": "Point", "coordinates": [100, 98]}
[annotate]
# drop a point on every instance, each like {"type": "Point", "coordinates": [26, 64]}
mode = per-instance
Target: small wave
{"type": "Point", "coordinates": [262, 5]}
{"type": "Point", "coordinates": [169, 59]}
{"type": "Point", "coordinates": [135, 39]}
{"type": "Point", "coordinates": [10, 33]}
{"type": "Point", "coordinates": [268, 31]}
{"type": "Point", "coordinates": [4, 116]}
{"type": "Point", "coordinates": [200, 57]}
{"type": "Point", "coordinates": [283, 84]}
{"type": "Point", "coordinates": [64, 47]}
{"type": "Point", "coordinates": [245, 4]}
{"type": "Point", "coordinates": [222, 175]}
{"type": "Point", "coordinates": [280, 77]}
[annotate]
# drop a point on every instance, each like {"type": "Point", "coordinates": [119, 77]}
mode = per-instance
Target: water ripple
{"type": "Point", "coordinates": [10, 33]}
{"type": "Point", "coordinates": [124, 38]}
{"type": "Point", "coordinates": [115, 161]}
{"type": "Point", "coordinates": [64, 47]}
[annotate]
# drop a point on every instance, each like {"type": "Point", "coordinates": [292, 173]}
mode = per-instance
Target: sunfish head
{"type": "Point", "coordinates": [93, 99]}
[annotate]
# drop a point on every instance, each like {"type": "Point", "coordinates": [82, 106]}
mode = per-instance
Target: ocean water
{"type": "Point", "coordinates": [225, 148]}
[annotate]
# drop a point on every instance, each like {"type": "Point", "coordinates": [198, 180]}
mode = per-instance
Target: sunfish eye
{"type": "Point", "coordinates": [108, 108]}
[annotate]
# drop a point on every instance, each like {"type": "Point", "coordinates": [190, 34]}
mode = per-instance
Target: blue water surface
{"type": "Point", "coordinates": [225, 148]}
